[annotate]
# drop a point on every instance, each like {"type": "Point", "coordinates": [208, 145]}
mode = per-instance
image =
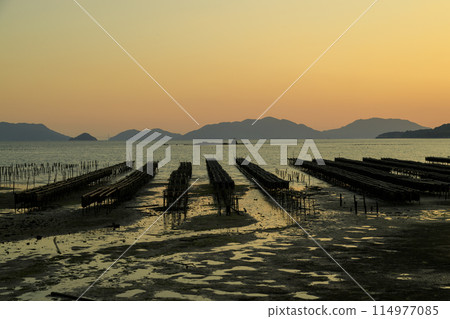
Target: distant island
{"type": "Point", "coordinates": [29, 132]}
{"type": "Point", "coordinates": [371, 128]}
{"type": "Point", "coordinates": [125, 135]}
{"type": "Point", "coordinates": [442, 131]}
{"type": "Point", "coordinates": [268, 127]}
{"type": "Point", "coordinates": [83, 137]}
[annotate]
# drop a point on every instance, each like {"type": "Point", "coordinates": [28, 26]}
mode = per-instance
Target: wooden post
{"type": "Point", "coordinates": [356, 204]}
{"type": "Point", "coordinates": [340, 200]}
{"type": "Point", "coordinates": [365, 207]}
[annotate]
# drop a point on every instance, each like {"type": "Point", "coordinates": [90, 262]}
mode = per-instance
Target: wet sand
{"type": "Point", "coordinates": [401, 254]}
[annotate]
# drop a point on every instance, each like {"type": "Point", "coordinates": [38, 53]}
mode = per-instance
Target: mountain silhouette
{"type": "Point", "coordinates": [29, 132]}
{"type": "Point", "coordinates": [371, 128]}
{"type": "Point", "coordinates": [125, 135]}
{"type": "Point", "coordinates": [268, 127]}
{"type": "Point", "coordinates": [83, 137]}
{"type": "Point", "coordinates": [442, 131]}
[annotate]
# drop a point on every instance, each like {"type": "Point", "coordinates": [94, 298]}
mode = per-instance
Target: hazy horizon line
{"type": "Point", "coordinates": [106, 137]}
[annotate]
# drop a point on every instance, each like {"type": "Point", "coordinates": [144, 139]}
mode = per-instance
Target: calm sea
{"type": "Point", "coordinates": [113, 152]}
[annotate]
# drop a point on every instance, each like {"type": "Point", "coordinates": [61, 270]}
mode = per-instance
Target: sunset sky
{"type": "Point", "coordinates": [223, 61]}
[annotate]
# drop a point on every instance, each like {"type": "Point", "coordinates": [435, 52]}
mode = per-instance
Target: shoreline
{"type": "Point", "coordinates": [260, 255]}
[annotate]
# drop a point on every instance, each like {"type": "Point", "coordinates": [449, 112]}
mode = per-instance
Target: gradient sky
{"type": "Point", "coordinates": [223, 61]}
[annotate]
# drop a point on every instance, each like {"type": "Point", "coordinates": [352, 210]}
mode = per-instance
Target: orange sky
{"type": "Point", "coordinates": [223, 61]}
